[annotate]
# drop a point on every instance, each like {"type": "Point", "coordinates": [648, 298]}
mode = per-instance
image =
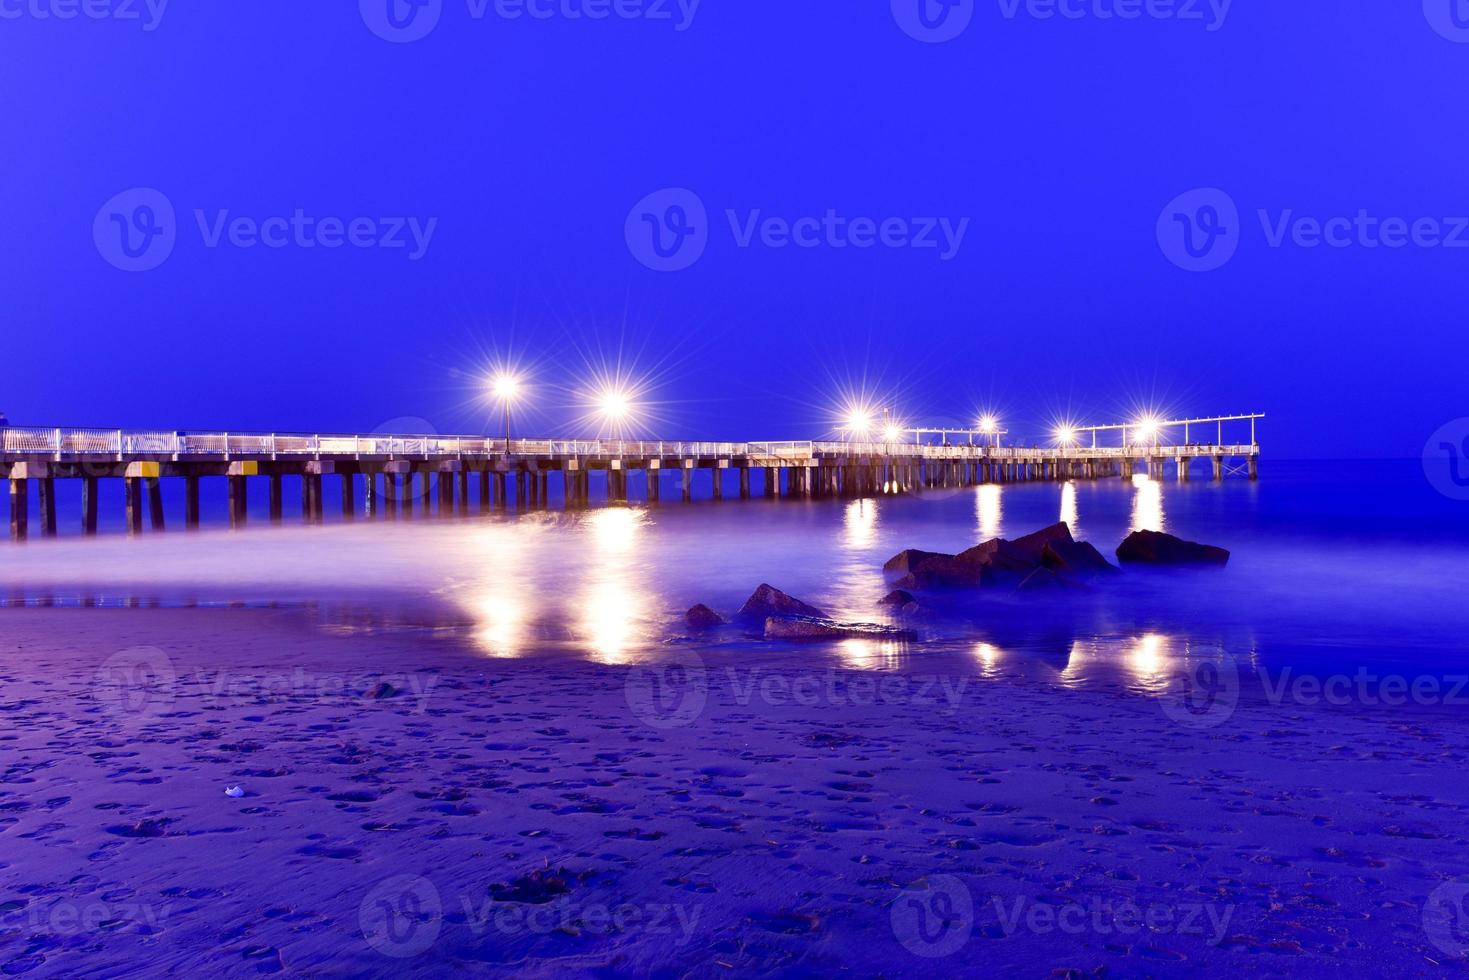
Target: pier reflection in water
{"type": "Point", "coordinates": [612, 584]}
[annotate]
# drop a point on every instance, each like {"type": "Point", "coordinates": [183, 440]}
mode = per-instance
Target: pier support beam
{"type": "Point", "coordinates": [371, 505]}
{"type": "Point", "coordinates": [1254, 467]}
{"type": "Point", "coordinates": [237, 502]}
{"type": "Point", "coordinates": [502, 489]}
{"type": "Point", "coordinates": [1183, 464]}
{"type": "Point", "coordinates": [688, 481]}
{"type": "Point", "coordinates": [46, 498]}
{"type": "Point", "coordinates": [89, 506]}
{"type": "Point", "coordinates": [277, 497]}
{"type": "Point", "coordinates": [349, 497]}
{"type": "Point", "coordinates": [1218, 462]}
{"type": "Point", "coordinates": [155, 502]}
{"type": "Point", "coordinates": [20, 503]}
{"type": "Point", "coordinates": [391, 493]}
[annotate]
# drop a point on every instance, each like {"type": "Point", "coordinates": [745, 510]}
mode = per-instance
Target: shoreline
{"type": "Point", "coordinates": [767, 830]}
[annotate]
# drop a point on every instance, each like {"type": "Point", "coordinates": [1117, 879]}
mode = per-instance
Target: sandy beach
{"type": "Point", "coordinates": [758, 811]}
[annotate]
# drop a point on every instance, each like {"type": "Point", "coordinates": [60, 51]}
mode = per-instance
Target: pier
{"type": "Point", "coordinates": [392, 477]}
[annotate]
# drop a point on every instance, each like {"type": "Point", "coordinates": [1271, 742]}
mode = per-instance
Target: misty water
{"type": "Point", "coordinates": [1335, 566]}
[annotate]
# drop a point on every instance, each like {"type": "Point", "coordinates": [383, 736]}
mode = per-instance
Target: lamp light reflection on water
{"type": "Point", "coordinates": [860, 654]}
{"type": "Point", "coordinates": [1147, 504]}
{"type": "Point", "coordinates": [988, 656]}
{"type": "Point", "coordinates": [1068, 506]}
{"type": "Point", "coordinates": [501, 619]}
{"type": "Point", "coordinates": [611, 613]}
{"type": "Point", "coordinates": [988, 510]}
{"type": "Point", "coordinates": [859, 524]}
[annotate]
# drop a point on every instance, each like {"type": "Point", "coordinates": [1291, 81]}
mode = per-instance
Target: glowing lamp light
{"type": "Point", "coordinates": [892, 433]}
{"type": "Point", "coordinates": [506, 387]}
{"type": "Point", "coordinates": [1146, 429]}
{"type": "Point", "coordinates": [988, 424]}
{"type": "Point", "coordinates": [614, 406]}
{"type": "Point", "coordinates": [859, 422]}
{"type": "Point", "coordinates": [1065, 435]}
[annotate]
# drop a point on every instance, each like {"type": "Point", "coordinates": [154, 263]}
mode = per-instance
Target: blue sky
{"type": "Point", "coordinates": [991, 220]}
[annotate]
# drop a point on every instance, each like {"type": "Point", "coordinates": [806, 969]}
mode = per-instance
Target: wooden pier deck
{"type": "Point", "coordinates": [392, 477]}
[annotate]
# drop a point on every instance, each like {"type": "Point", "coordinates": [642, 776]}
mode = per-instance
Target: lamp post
{"type": "Point", "coordinates": [506, 388]}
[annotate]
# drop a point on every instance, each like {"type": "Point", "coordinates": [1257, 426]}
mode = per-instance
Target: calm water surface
{"type": "Point", "coordinates": [1335, 565]}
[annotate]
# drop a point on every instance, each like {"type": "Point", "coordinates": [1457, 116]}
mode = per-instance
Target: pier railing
{"type": "Point", "coordinates": [60, 443]}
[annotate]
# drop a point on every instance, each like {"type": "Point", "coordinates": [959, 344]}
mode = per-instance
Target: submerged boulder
{"type": "Point", "coordinates": [820, 628]}
{"type": "Point", "coordinates": [1032, 546]}
{"type": "Point", "coordinates": [768, 601]}
{"type": "Point", "coordinates": [904, 562]}
{"type": "Point", "coordinates": [701, 617]}
{"type": "Point", "coordinates": [1075, 558]}
{"type": "Point", "coordinates": [943, 572]}
{"type": "Point", "coordinates": [1157, 548]}
{"type": "Point", "coordinates": [897, 598]}
{"type": "Point", "coordinates": [1042, 579]}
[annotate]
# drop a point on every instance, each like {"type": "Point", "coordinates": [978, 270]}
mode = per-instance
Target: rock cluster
{"type": "Point", "coordinates": [784, 617]}
{"type": "Point", "coordinates": [1047, 559]}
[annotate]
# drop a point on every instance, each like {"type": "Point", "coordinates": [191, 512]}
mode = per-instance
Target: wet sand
{"type": "Point", "coordinates": [411, 806]}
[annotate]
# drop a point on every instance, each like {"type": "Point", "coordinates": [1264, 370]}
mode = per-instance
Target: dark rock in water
{"type": "Point", "coordinates": [701, 617]}
{"type": "Point", "coordinates": [914, 609]}
{"type": "Point", "coordinates": [818, 628]}
{"type": "Point", "coordinates": [904, 561]}
{"type": "Point", "coordinates": [897, 597]}
{"type": "Point", "coordinates": [943, 572]}
{"type": "Point", "coordinates": [1042, 579]}
{"type": "Point", "coordinates": [382, 690]}
{"type": "Point", "coordinates": [1032, 546]}
{"type": "Point", "coordinates": [1075, 558]}
{"type": "Point", "coordinates": [1001, 556]}
{"type": "Point", "coordinates": [1157, 548]}
{"type": "Point", "coordinates": [768, 601]}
